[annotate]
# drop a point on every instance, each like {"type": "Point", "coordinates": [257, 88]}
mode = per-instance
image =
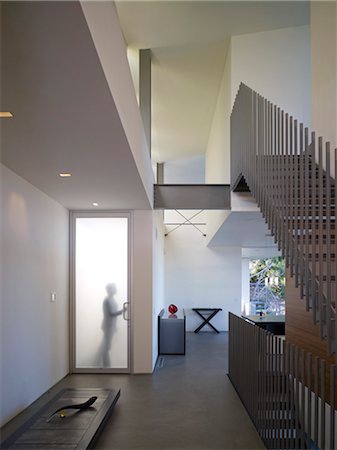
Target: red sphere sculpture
{"type": "Point", "coordinates": [172, 309]}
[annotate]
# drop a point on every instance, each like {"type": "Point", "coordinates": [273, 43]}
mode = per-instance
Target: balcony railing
{"type": "Point", "coordinates": [291, 175]}
{"type": "Point", "coordinates": [287, 393]}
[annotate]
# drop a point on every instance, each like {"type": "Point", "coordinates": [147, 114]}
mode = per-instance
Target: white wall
{"type": "Point", "coordinates": [187, 170]}
{"type": "Point", "coordinates": [142, 291]}
{"type": "Point", "coordinates": [324, 69]}
{"type": "Point", "coordinates": [147, 287]}
{"type": "Point", "coordinates": [217, 162]}
{"type": "Point", "coordinates": [218, 147]}
{"type": "Point", "coordinates": [245, 282]}
{"type": "Point", "coordinates": [198, 276]}
{"type": "Point", "coordinates": [34, 331]}
{"type": "Point", "coordinates": [276, 64]}
{"type": "Point", "coordinates": [133, 58]}
{"type": "Point", "coordinates": [104, 26]}
{"type": "Point", "coordinates": [158, 278]}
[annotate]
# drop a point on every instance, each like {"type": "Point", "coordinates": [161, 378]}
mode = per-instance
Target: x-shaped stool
{"type": "Point", "coordinates": [206, 320]}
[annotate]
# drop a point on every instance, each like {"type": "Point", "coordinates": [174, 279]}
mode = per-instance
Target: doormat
{"type": "Point", "coordinates": [67, 428]}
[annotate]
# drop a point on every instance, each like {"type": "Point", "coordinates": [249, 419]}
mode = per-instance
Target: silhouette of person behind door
{"type": "Point", "coordinates": [110, 313]}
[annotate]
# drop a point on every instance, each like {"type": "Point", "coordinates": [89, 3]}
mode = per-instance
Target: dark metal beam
{"type": "Point", "coordinates": [192, 196]}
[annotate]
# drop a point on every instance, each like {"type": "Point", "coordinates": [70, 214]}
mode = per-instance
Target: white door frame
{"type": "Point", "coordinates": [72, 289]}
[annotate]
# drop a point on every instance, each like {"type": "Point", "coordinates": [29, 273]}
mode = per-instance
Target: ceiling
{"type": "Point", "coordinates": [189, 42]}
{"type": "Point", "coordinates": [65, 119]}
{"type": "Point", "coordinates": [244, 229]}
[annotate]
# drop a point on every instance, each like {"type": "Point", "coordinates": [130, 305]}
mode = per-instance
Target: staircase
{"type": "Point", "coordinates": [291, 174]}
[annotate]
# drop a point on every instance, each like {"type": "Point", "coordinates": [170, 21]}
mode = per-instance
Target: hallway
{"type": "Point", "coordinates": [188, 403]}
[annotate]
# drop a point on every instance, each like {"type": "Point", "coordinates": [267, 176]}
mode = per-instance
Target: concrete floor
{"type": "Point", "coordinates": [189, 403]}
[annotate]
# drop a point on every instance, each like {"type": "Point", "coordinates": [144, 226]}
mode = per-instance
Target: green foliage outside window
{"type": "Point", "coordinates": [267, 284]}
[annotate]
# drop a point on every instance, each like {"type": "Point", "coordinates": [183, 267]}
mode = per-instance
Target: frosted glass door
{"type": "Point", "coordinates": [101, 293]}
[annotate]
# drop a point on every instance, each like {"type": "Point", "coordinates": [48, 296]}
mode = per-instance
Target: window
{"type": "Point", "coordinates": [267, 285]}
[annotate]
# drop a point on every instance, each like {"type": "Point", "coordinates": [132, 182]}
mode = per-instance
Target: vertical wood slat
{"type": "Point", "coordinates": [262, 174]}
{"type": "Point", "coordinates": [263, 386]}
{"type": "Point", "coordinates": [278, 404]}
{"type": "Point", "coordinates": [307, 220]}
{"type": "Point", "coordinates": [301, 210]}
{"type": "Point", "coordinates": [322, 409]}
{"type": "Point", "coordinates": [283, 402]}
{"type": "Point", "coordinates": [297, 398]}
{"type": "Point", "coordinates": [289, 227]}
{"type": "Point", "coordinates": [316, 413]}
{"type": "Point", "coordinates": [276, 392]}
{"type": "Point", "coordinates": [286, 425]}
{"type": "Point", "coordinates": [291, 199]}
{"type": "Point", "coordinates": [335, 247]}
{"type": "Point", "coordinates": [313, 227]}
{"type": "Point", "coordinates": [309, 408]}
{"type": "Point", "coordinates": [270, 392]}
{"type": "Point", "coordinates": [328, 245]}
{"type": "Point", "coordinates": [332, 424]}
{"type": "Point", "coordinates": [292, 396]}
{"type": "Point", "coordinates": [282, 201]}
{"type": "Point", "coordinates": [273, 172]}
{"type": "Point", "coordinates": [258, 174]}
{"type": "Point", "coordinates": [251, 140]}
{"type": "Point", "coordinates": [270, 405]}
{"type": "Point", "coordinates": [285, 185]}
{"type": "Point", "coordinates": [273, 163]}
{"type": "Point", "coordinates": [269, 149]}
{"type": "Point", "coordinates": [285, 407]}
{"type": "Point", "coordinates": [259, 138]}
{"type": "Point", "coordinates": [320, 233]}
{"type": "Point", "coordinates": [264, 208]}
{"type": "Point", "coordinates": [269, 152]}
{"type": "Point", "coordinates": [256, 400]}
{"type": "Point", "coordinates": [267, 389]}
{"type": "Point", "coordinates": [258, 150]}
{"type": "Point", "coordinates": [303, 401]}
{"type": "Point", "coordinates": [296, 201]}
{"type": "Point", "coordinates": [253, 144]}
{"type": "Point", "coordinates": [265, 157]}
{"type": "Point", "coordinates": [278, 186]}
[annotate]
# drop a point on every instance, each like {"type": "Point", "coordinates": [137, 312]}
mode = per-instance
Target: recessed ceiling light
{"type": "Point", "coordinates": [6, 114]}
{"type": "Point", "coordinates": [65, 174]}
{"type": "Point", "coordinates": [95, 204]}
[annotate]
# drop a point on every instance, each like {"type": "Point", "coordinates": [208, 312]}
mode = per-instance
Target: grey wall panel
{"type": "Point", "coordinates": [202, 196]}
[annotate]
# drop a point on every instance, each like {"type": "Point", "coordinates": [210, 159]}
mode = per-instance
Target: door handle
{"type": "Point", "coordinates": [125, 311]}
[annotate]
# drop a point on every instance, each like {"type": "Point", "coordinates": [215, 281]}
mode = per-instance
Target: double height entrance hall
{"type": "Point", "coordinates": [187, 403]}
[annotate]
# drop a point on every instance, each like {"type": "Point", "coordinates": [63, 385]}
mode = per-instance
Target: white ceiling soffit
{"type": "Point", "coordinates": [153, 24]}
{"type": "Point", "coordinates": [65, 119]}
{"type": "Point", "coordinates": [244, 229]}
{"type": "Point", "coordinates": [189, 41]}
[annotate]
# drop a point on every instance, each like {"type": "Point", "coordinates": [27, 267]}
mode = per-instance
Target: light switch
{"type": "Point", "coordinates": [53, 296]}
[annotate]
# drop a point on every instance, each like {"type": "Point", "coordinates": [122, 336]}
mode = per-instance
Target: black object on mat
{"type": "Point", "coordinates": [78, 430]}
{"type": "Point", "coordinates": [80, 406]}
